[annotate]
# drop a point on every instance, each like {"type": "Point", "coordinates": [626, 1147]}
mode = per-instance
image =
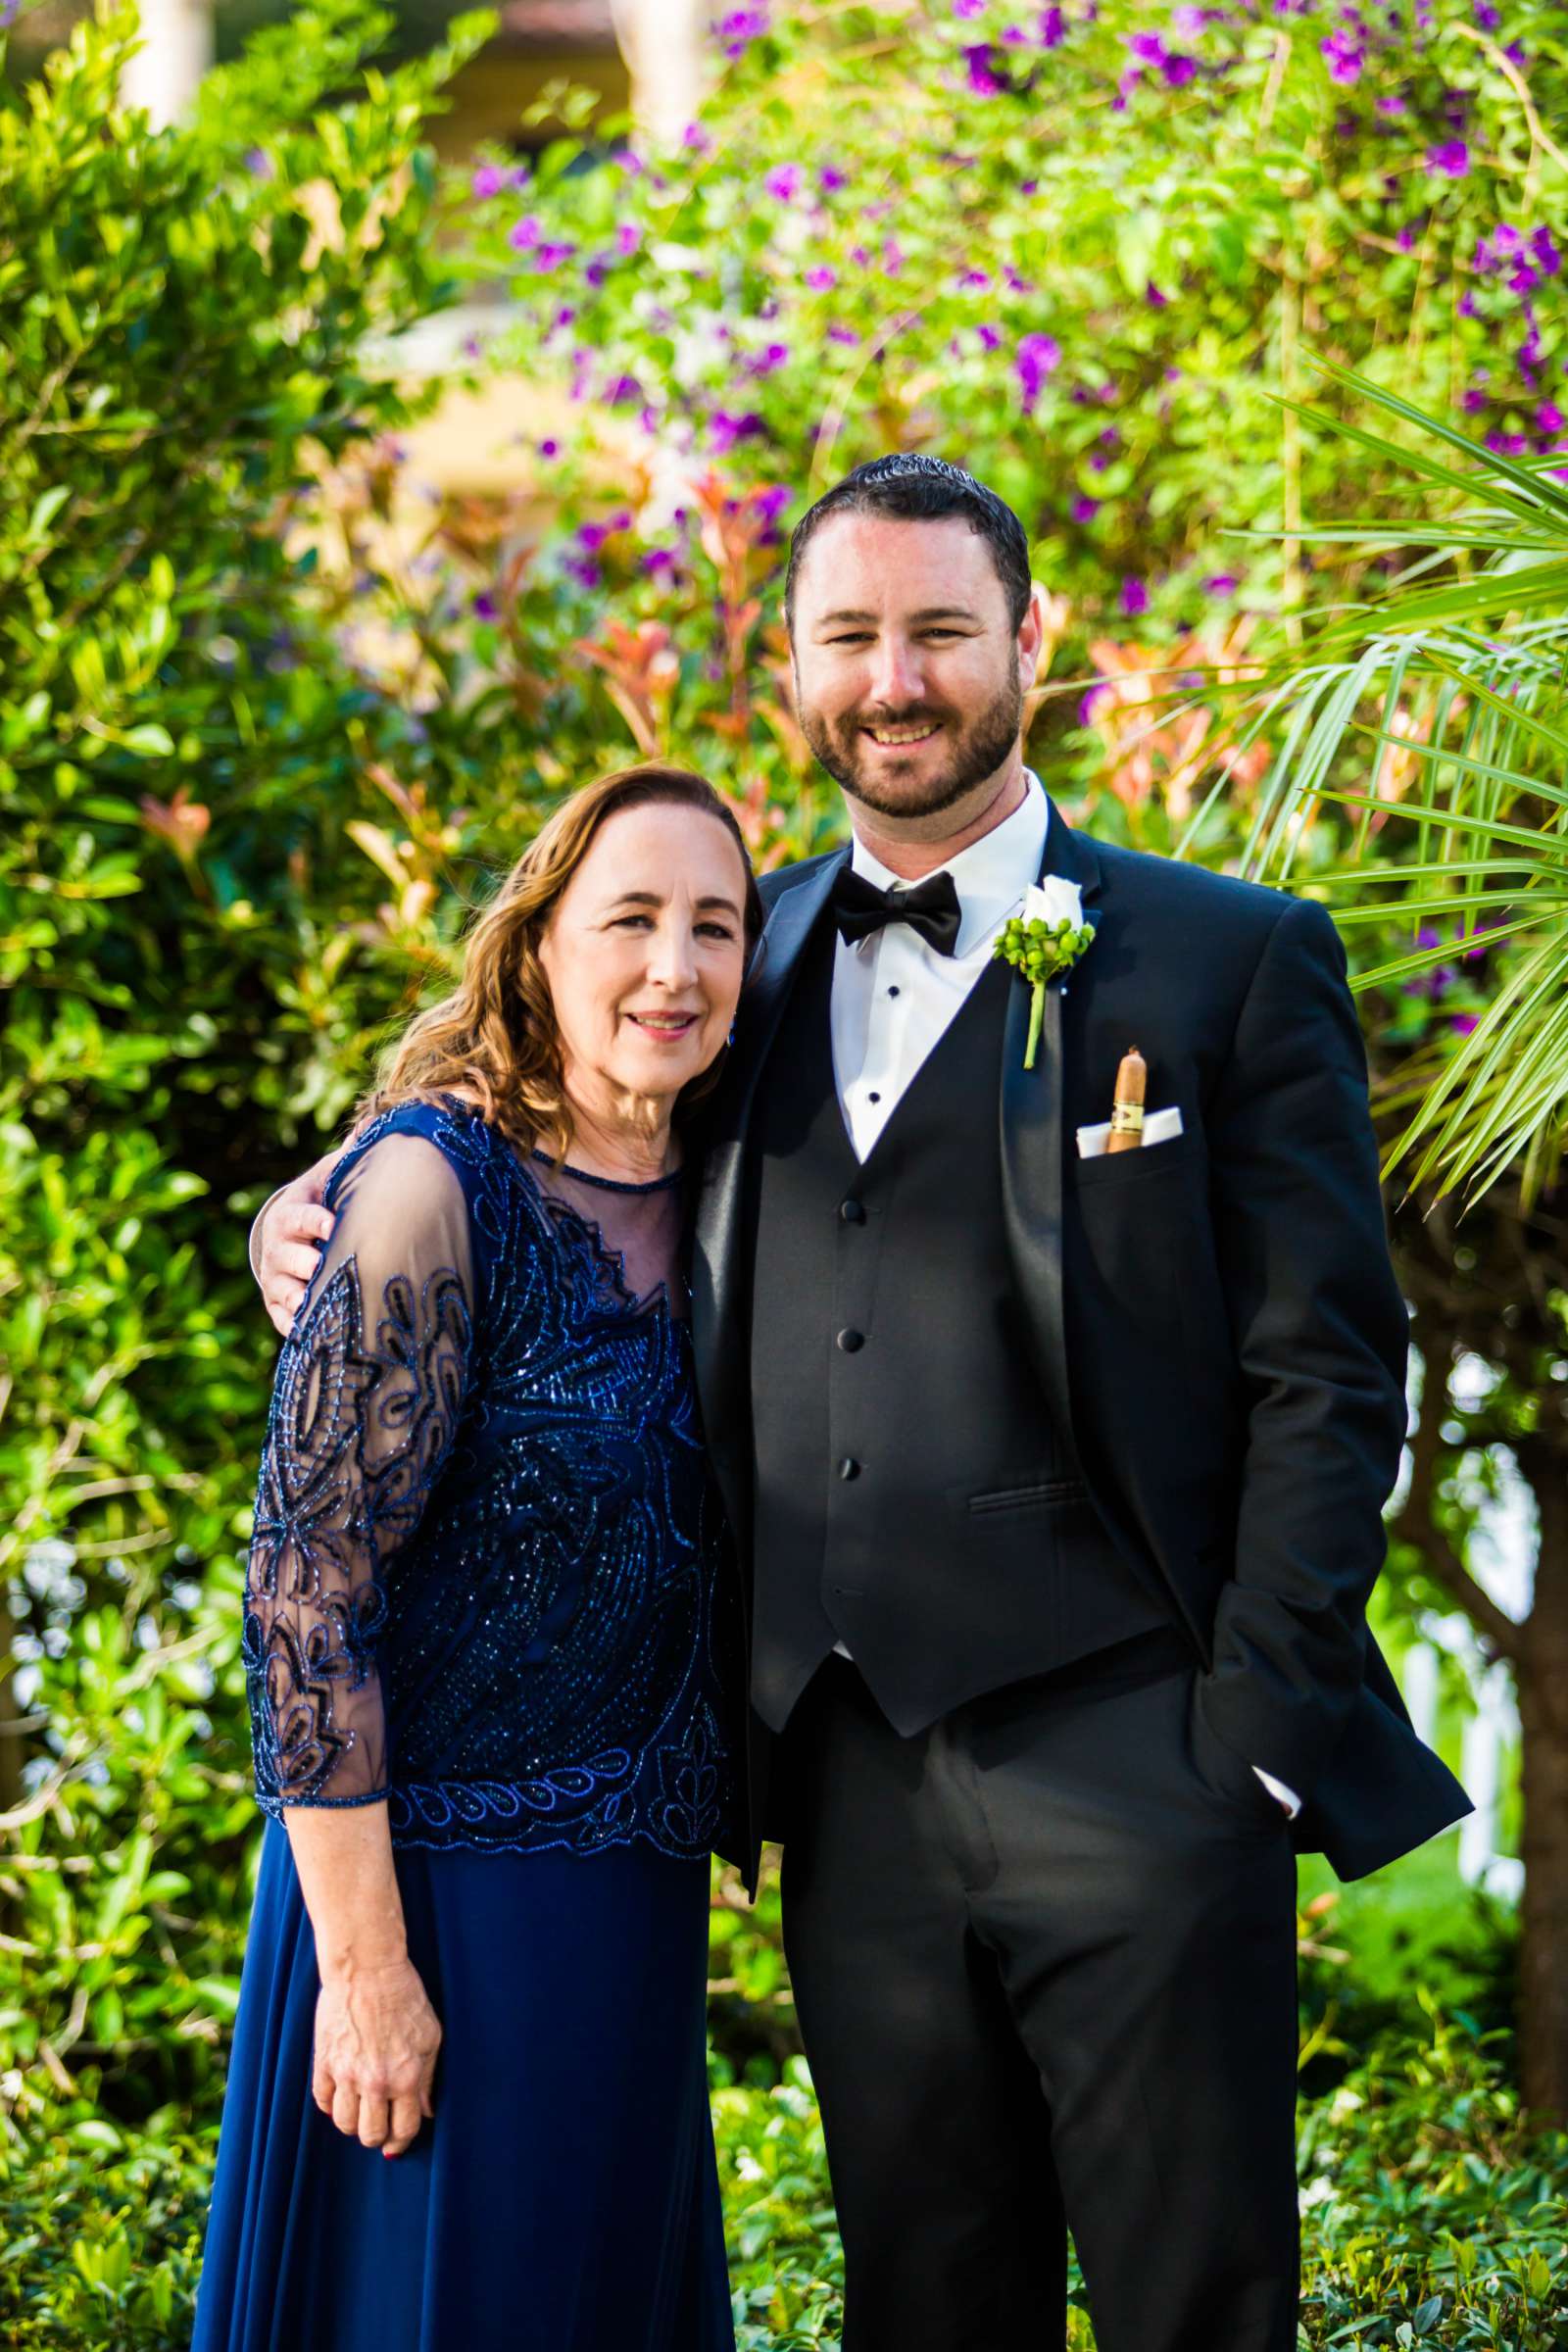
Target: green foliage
{"type": "Point", "coordinates": [1452, 685]}
{"type": "Point", "coordinates": [1431, 2216]}
{"type": "Point", "coordinates": [1078, 250]}
{"type": "Point", "coordinates": [187, 326]}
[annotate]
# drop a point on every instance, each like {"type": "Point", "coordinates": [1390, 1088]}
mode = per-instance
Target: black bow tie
{"type": "Point", "coordinates": [930, 907]}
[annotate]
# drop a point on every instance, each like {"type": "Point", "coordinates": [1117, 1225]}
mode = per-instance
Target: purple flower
{"type": "Point", "coordinates": [821, 278]}
{"type": "Point", "coordinates": [550, 449]}
{"type": "Point", "coordinates": [548, 257]}
{"type": "Point", "coordinates": [627, 239]}
{"type": "Point", "coordinates": [584, 569]}
{"type": "Point", "coordinates": [785, 182]}
{"type": "Point", "coordinates": [771, 501]}
{"type": "Point", "coordinates": [1133, 598]}
{"type": "Point", "coordinates": [975, 278]}
{"type": "Point", "coordinates": [524, 234]}
{"type": "Point", "coordinates": [967, 9]}
{"type": "Point", "coordinates": [989, 337]}
{"type": "Point", "coordinates": [1476, 404]}
{"type": "Point", "coordinates": [1451, 158]}
{"type": "Point", "coordinates": [1052, 27]}
{"type": "Point", "coordinates": [837, 334]}
{"type": "Point", "coordinates": [1222, 583]}
{"type": "Point", "coordinates": [1550, 417]}
{"type": "Point", "coordinates": [742, 27]}
{"type": "Point", "coordinates": [1393, 107]}
{"type": "Point", "coordinates": [724, 430]}
{"type": "Point", "coordinates": [768, 361]}
{"type": "Point", "coordinates": [1465, 1024]}
{"type": "Point", "coordinates": [1488, 17]}
{"type": "Point", "coordinates": [1345, 54]}
{"type": "Point", "coordinates": [1155, 300]}
{"type": "Point", "coordinates": [257, 163]}
{"type": "Point", "coordinates": [485, 607]}
{"type": "Point", "coordinates": [488, 181]}
{"type": "Point", "coordinates": [695, 139]}
{"type": "Point", "coordinates": [1036, 356]}
{"type": "Point", "coordinates": [981, 80]}
{"type": "Point", "coordinates": [591, 537]}
{"type": "Point", "coordinates": [1548, 261]}
{"type": "Point", "coordinates": [1084, 509]}
{"type": "Point", "coordinates": [658, 562]}
{"type": "Point", "coordinates": [892, 257]}
{"type": "Point", "coordinates": [831, 180]}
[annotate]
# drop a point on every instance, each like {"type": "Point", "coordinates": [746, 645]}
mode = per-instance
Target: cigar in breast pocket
{"type": "Point", "coordinates": [1127, 1110]}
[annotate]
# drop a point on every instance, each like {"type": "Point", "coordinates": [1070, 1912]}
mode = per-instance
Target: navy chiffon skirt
{"type": "Point", "coordinates": [564, 2198]}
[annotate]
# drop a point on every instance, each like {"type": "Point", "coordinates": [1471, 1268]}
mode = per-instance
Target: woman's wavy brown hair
{"type": "Point", "coordinates": [495, 1037]}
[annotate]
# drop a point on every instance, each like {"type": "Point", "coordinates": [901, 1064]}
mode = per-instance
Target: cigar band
{"type": "Point", "coordinates": [1127, 1118]}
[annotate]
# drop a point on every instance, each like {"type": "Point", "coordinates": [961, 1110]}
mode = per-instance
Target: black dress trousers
{"type": "Point", "coordinates": [1045, 1960]}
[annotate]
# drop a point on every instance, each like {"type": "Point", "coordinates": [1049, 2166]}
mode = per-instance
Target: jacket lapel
{"type": "Point", "coordinates": [718, 1326]}
{"type": "Point", "coordinates": [1033, 1143]}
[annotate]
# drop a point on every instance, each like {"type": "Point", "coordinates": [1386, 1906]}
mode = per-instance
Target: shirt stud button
{"type": "Point", "coordinates": [852, 1212]}
{"type": "Point", "coordinates": [850, 1341]}
{"type": "Point", "coordinates": [873, 1098]}
{"type": "Point", "coordinates": [849, 1468]}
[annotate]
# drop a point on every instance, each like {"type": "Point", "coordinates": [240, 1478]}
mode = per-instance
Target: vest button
{"type": "Point", "coordinates": [852, 1212]}
{"type": "Point", "coordinates": [850, 1341]}
{"type": "Point", "coordinates": [849, 1467]}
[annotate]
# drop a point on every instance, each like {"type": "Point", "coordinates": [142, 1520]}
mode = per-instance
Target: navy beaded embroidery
{"type": "Point", "coordinates": [485, 1580]}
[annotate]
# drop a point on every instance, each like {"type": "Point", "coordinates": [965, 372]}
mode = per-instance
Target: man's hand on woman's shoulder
{"type": "Point", "coordinates": [283, 1241]}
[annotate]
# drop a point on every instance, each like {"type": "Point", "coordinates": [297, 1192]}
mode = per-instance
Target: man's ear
{"type": "Point", "coordinates": [1031, 637]}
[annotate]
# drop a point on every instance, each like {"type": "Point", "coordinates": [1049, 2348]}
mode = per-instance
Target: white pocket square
{"type": "Point", "coordinates": [1160, 1127]}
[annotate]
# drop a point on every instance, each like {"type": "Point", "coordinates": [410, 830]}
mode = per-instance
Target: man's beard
{"type": "Point", "coordinates": [975, 754]}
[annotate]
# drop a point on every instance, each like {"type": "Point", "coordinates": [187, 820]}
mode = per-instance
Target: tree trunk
{"type": "Point", "coordinates": [1544, 1724]}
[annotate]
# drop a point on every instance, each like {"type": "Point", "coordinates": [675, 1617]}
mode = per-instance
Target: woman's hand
{"type": "Point", "coordinates": [376, 2039]}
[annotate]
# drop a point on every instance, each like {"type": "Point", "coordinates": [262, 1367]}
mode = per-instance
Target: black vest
{"type": "Point", "coordinates": [912, 1499]}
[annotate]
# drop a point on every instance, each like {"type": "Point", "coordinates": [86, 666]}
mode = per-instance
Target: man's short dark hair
{"type": "Point", "coordinates": [919, 489]}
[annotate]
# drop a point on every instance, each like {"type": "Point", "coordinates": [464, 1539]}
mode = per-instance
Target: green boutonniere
{"type": "Point", "coordinates": [1043, 943]}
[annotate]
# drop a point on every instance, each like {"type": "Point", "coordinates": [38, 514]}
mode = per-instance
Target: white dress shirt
{"type": "Point", "coordinates": [894, 995]}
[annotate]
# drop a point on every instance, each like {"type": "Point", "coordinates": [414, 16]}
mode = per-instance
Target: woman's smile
{"type": "Point", "coordinates": [671, 1025]}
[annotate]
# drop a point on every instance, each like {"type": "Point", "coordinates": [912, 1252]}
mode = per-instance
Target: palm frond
{"type": "Point", "coordinates": [1462, 681]}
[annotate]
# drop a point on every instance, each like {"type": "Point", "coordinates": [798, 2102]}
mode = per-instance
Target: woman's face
{"type": "Point", "coordinates": [644, 954]}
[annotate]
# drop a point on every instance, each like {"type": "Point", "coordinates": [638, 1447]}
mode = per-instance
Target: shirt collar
{"type": "Point", "coordinates": [993, 873]}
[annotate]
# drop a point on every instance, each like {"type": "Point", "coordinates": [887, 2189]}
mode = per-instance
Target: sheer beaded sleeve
{"type": "Point", "coordinates": [370, 1388]}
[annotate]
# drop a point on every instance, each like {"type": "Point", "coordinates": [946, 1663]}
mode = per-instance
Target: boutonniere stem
{"type": "Point", "coordinates": [1044, 943]}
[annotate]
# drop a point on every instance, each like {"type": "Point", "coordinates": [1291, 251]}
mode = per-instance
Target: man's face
{"type": "Point", "coordinates": [909, 674]}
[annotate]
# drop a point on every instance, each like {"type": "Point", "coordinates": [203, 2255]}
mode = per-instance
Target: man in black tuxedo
{"type": "Point", "coordinates": [1056, 1477]}
{"type": "Point", "coordinates": [1059, 1475]}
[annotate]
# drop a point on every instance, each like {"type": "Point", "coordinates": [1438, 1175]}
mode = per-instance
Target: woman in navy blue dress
{"type": "Point", "coordinates": [484, 1636]}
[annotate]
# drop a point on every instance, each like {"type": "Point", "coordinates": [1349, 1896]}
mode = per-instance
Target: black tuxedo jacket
{"type": "Point", "coordinates": [1215, 1319]}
